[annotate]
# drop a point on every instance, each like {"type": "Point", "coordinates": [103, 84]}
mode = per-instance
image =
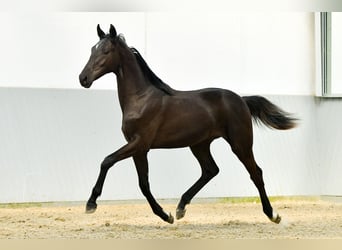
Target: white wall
{"type": "Point", "coordinates": [248, 52]}
{"type": "Point", "coordinates": [266, 53]}
{"type": "Point", "coordinates": [49, 49]}
{"type": "Point", "coordinates": [336, 53]}
{"type": "Point", "coordinates": [53, 140]}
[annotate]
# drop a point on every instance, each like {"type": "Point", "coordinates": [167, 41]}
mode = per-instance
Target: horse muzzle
{"type": "Point", "coordinates": [85, 81]}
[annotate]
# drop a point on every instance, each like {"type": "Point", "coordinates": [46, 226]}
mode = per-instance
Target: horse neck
{"type": "Point", "coordinates": [130, 79]}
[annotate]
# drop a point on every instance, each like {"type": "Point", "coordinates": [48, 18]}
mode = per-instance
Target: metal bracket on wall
{"type": "Point", "coordinates": [325, 30]}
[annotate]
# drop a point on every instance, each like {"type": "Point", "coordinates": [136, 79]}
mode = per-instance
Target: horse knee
{"type": "Point", "coordinates": [107, 163]}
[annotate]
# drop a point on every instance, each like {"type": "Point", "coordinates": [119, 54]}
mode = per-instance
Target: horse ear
{"type": "Point", "coordinates": [112, 31]}
{"type": "Point", "coordinates": [100, 32]}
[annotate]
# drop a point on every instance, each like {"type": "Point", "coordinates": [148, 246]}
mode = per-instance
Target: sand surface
{"type": "Point", "coordinates": [304, 219]}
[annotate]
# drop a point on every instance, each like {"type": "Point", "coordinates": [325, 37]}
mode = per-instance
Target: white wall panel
{"type": "Point", "coordinates": [50, 49]}
{"type": "Point", "coordinates": [336, 53]}
{"type": "Point", "coordinates": [248, 52]}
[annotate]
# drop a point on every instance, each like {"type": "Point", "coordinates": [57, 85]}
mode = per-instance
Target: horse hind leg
{"type": "Point", "coordinates": [274, 216]}
{"type": "Point", "coordinates": [209, 170]}
{"type": "Point", "coordinates": [245, 155]}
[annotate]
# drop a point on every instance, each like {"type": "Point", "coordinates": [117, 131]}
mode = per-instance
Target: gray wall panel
{"type": "Point", "coordinates": [53, 141]}
{"type": "Point", "coordinates": [329, 145]}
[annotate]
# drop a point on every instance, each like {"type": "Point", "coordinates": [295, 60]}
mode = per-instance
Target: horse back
{"type": "Point", "coordinates": [189, 117]}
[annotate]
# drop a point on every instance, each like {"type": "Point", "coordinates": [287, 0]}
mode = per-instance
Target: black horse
{"type": "Point", "coordinates": [157, 116]}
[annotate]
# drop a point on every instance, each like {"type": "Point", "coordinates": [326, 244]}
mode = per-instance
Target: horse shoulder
{"type": "Point", "coordinates": [141, 116]}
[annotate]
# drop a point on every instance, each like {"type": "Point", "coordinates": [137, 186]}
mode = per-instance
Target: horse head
{"type": "Point", "coordinates": [104, 57]}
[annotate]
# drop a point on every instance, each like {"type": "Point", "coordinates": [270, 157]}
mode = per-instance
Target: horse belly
{"type": "Point", "coordinates": [183, 131]}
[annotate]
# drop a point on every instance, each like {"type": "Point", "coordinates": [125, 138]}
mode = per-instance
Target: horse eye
{"type": "Point", "coordinates": [106, 51]}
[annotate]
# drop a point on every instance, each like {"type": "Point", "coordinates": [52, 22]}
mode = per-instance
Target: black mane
{"type": "Point", "coordinates": [155, 80]}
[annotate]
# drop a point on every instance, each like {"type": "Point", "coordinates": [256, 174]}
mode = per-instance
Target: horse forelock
{"type": "Point", "coordinates": [119, 38]}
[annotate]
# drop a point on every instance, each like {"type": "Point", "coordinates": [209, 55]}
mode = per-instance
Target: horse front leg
{"type": "Point", "coordinates": [141, 165]}
{"type": "Point", "coordinates": [124, 152]}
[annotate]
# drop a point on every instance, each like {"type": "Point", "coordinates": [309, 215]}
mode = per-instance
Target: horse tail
{"type": "Point", "coordinates": [272, 116]}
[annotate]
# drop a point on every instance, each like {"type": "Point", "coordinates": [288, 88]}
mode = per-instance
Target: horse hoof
{"type": "Point", "coordinates": [276, 218]}
{"type": "Point", "coordinates": [170, 219]}
{"type": "Point", "coordinates": [91, 208]}
{"type": "Point", "coordinates": [180, 213]}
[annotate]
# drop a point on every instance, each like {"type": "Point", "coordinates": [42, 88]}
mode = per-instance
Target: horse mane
{"type": "Point", "coordinates": [152, 77]}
